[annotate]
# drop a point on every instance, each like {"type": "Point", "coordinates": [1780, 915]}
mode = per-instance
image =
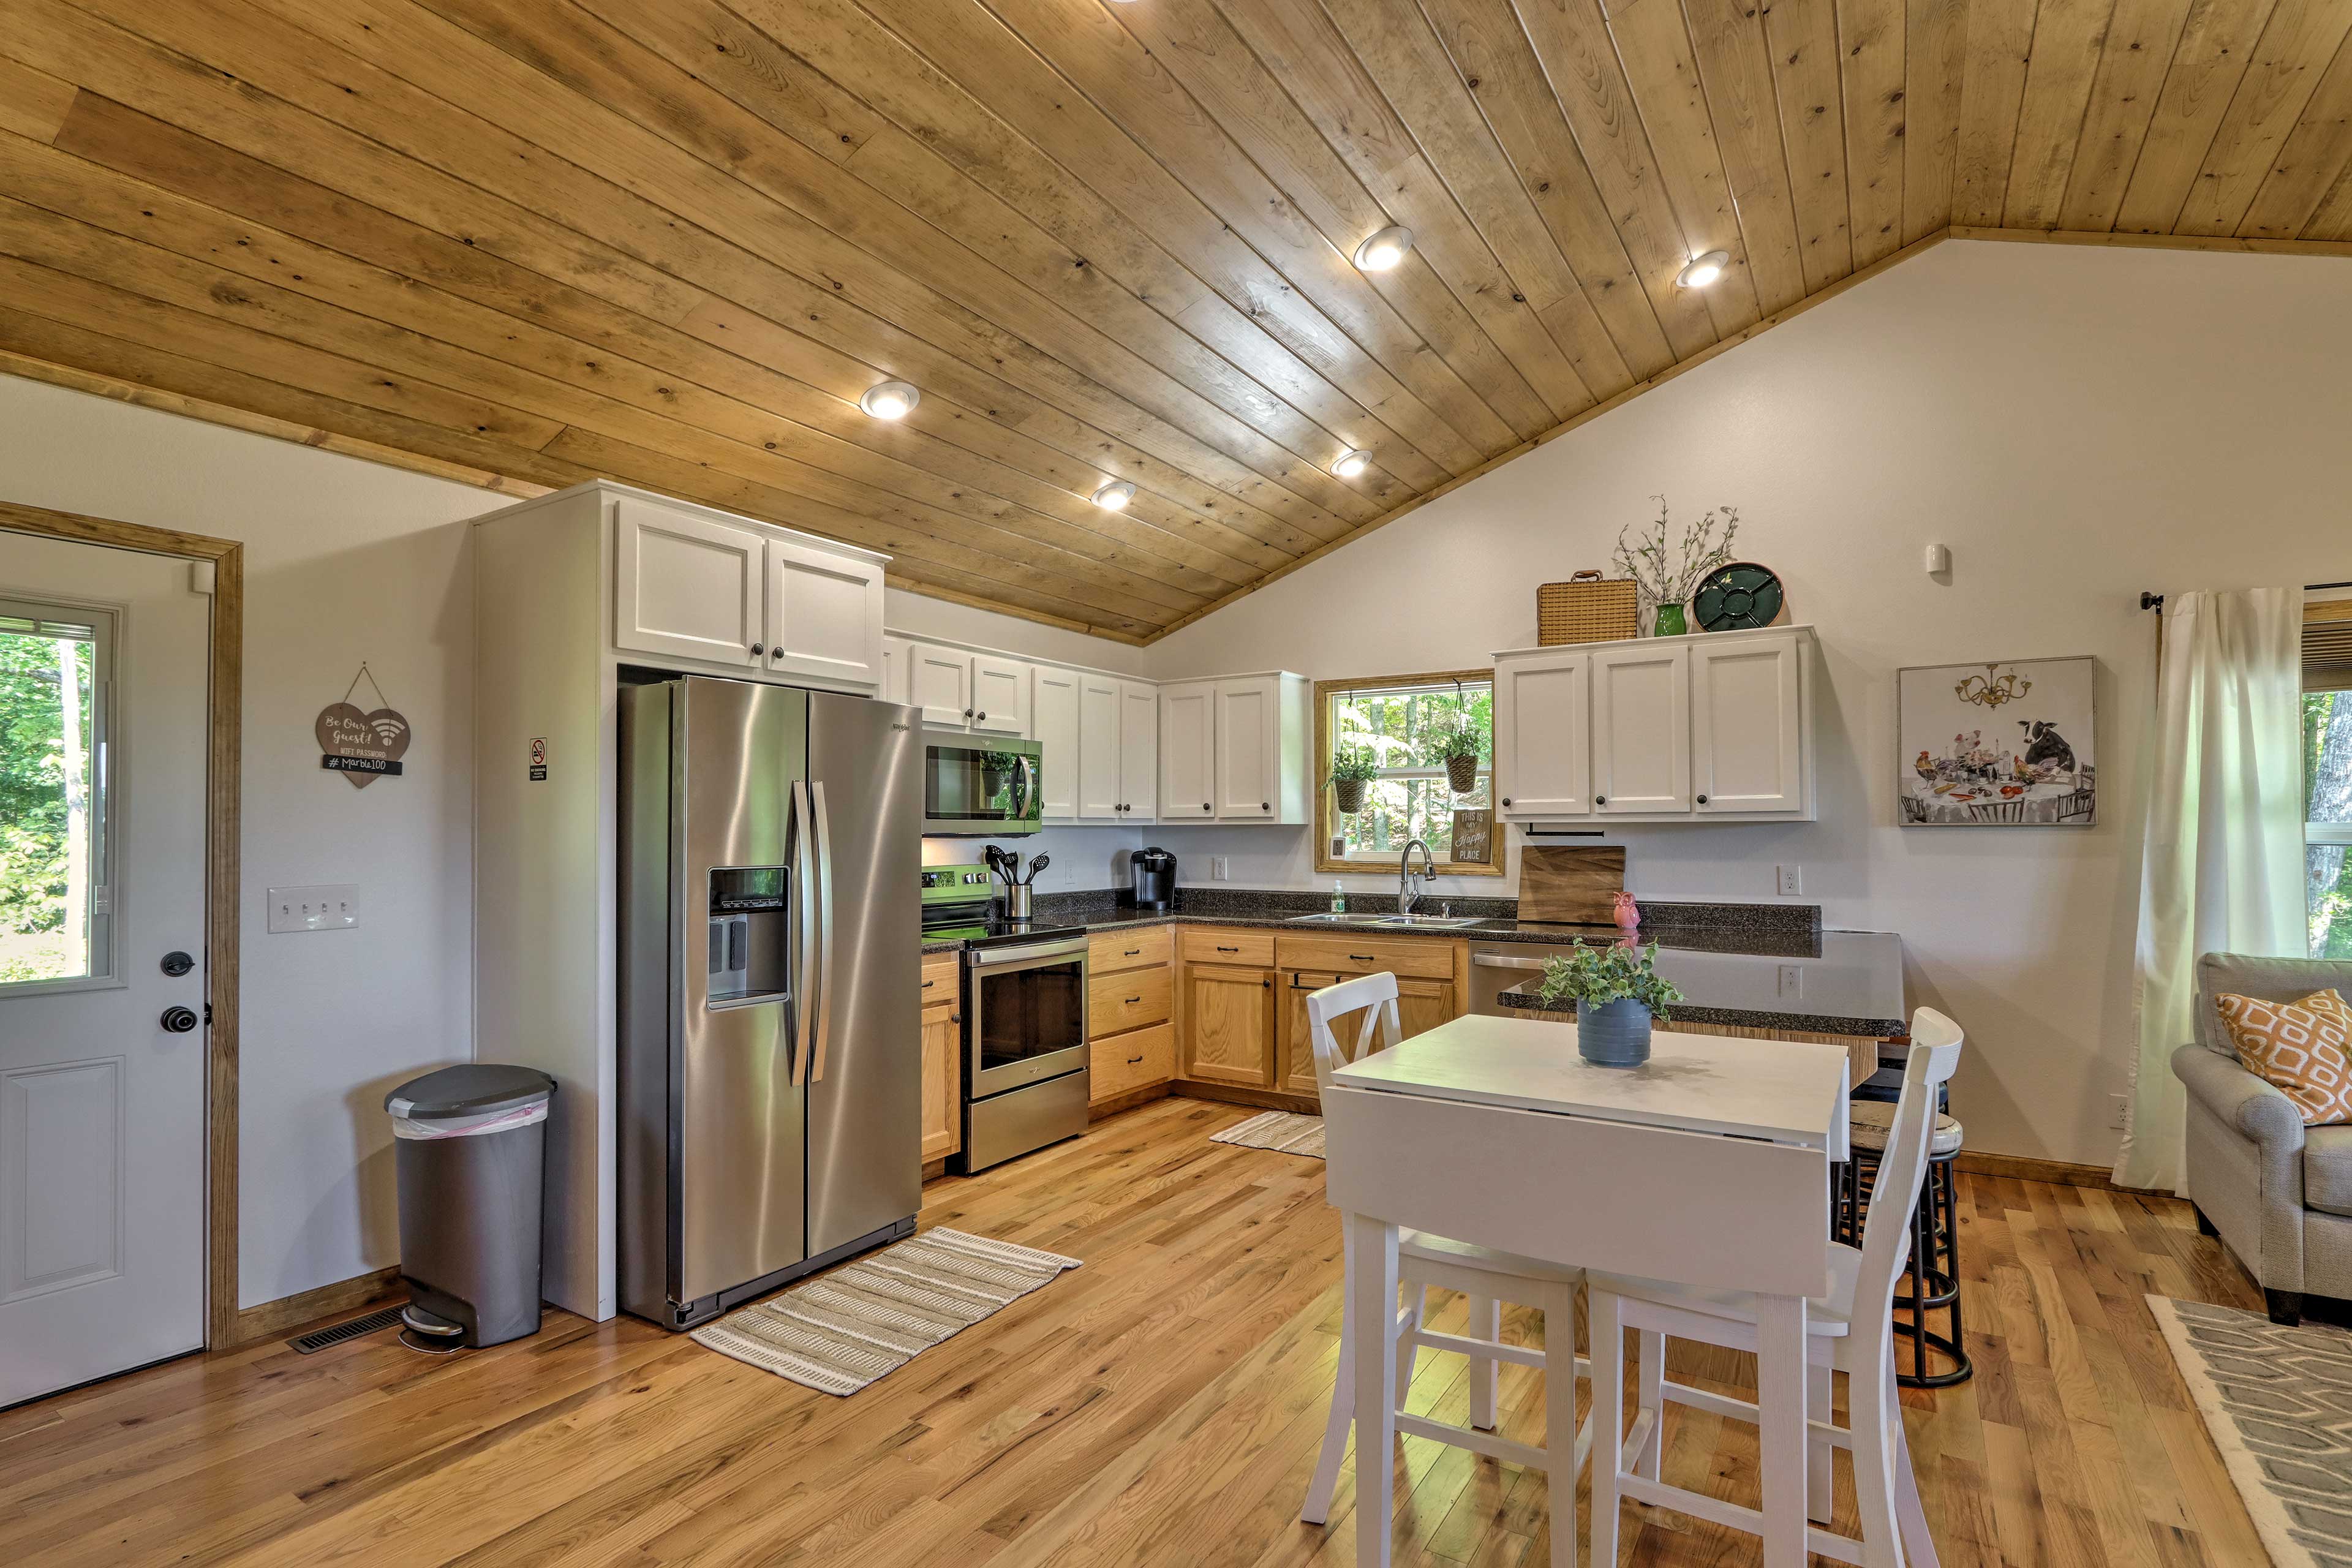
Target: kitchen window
{"type": "Point", "coordinates": [1397, 721]}
{"type": "Point", "coordinates": [2328, 775]}
{"type": "Point", "coordinates": [56, 919]}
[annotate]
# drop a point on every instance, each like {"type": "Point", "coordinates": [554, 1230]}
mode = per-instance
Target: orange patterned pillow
{"type": "Point", "coordinates": [2302, 1047]}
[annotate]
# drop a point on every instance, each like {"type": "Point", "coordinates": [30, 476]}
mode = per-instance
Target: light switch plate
{"type": "Point", "coordinates": [334, 906]}
{"type": "Point", "coordinates": [1793, 881]}
{"type": "Point", "coordinates": [1792, 981]}
{"type": "Point", "coordinates": [1216, 867]}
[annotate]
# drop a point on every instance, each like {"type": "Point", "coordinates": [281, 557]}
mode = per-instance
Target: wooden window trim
{"type": "Point", "coordinates": [1324, 807]}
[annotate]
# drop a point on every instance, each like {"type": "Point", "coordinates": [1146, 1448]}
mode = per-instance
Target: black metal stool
{"type": "Point", "coordinates": [1934, 1264]}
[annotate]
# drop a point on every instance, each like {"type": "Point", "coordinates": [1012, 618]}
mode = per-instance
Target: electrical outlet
{"type": "Point", "coordinates": [2118, 1112]}
{"type": "Point", "coordinates": [1792, 880]}
{"type": "Point", "coordinates": [1216, 867]}
{"type": "Point", "coordinates": [334, 906]}
{"type": "Point", "coordinates": [1792, 980]}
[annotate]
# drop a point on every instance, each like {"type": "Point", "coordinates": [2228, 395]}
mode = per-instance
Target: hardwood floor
{"type": "Point", "coordinates": [1161, 1404]}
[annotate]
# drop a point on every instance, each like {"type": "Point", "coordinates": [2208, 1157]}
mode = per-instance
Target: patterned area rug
{"type": "Point", "coordinates": [1280, 1131]}
{"type": "Point", "coordinates": [2278, 1402]}
{"type": "Point", "coordinates": [841, 1331]}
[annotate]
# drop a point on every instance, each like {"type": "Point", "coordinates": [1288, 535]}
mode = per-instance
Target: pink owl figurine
{"type": "Point", "coordinates": [1626, 914]}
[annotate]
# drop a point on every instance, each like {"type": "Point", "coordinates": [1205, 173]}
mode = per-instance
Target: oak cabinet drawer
{"type": "Point", "coordinates": [1126, 1000]}
{"type": "Point", "coordinates": [940, 978]}
{"type": "Point", "coordinates": [1130, 947]}
{"type": "Point", "coordinates": [1206, 945]}
{"type": "Point", "coordinates": [1120, 1063]}
{"type": "Point", "coordinates": [1431, 959]}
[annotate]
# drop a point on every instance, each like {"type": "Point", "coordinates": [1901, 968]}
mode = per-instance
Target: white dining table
{"type": "Point", "coordinates": [1707, 1165]}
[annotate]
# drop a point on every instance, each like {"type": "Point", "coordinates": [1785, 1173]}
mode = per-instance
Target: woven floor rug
{"type": "Point", "coordinates": [1278, 1131]}
{"type": "Point", "coordinates": [841, 1331]}
{"type": "Point", "coordinates": [2278, 1402]}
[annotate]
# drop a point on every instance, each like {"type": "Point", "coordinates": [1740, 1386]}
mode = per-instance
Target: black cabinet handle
{"type": "Point", "coordinates": [1362, 957]}
{"type": "Point", "coordinates": [1600, 800]}
{"type": "Point", "coordinates": [1131, 1001]}
{"type": "Point", "coordinates": [757, 650]}
{"type": "Point", "coordinates": [179, 1020]}
{"type": "Point", "coordinates": [775, 653]}
{"type": "Point", "coordinates": [928, 983]}
{"type": "Point", "coordinates": [984, 715]}
{"type": "Point", "coordinates": [1229, 949]}
{"type": "Point", "coordinates": [1702, 800]}
{"type": "Point", "coordinates": [967, 713]}
{"type": "Point", "coordinates": [1204, 805]}
{"type": "Point", "coordinates": [1266, 805]}
{"type": "Point", "coordinates": [1135, 1061]}
{"type": "Point", "coordinates": [1132, 952]}
{"type": "Point", "coordinates": [1268, 984]}
{"type": "Point", "coordinates": [955, 1018]}
{"type": "Point", "coordinates": [1507, 800]}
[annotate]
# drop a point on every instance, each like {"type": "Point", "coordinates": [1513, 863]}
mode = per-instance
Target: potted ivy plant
{"type": "Point", "coordinates": [1352, 769]}
{"type": "Point", "coordinates": [1618, 992]}
{"type": "Point", "coordinates": [1455, 745]}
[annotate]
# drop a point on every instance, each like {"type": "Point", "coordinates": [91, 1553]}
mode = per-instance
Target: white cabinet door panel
{"type": "Point", "coordinates": [1747, 752]}
{"type": "Point", "coordinates": [1543, 736]}
{"type": "Point", "coordinates": [1139, 750]}
{"type": "Point", "coordinates": [1249, 748]}
{"type": "Point", "coordinates": [1053, 725]}
{"type": "Point", "coordinates": [1187, 751]}
{"type": "Point", "coordinates": [1641, 728]}
{"type": "Point", "coordinates": [893, 668]}
{"type": "Point", "coordinates": [825, 616]}
{"type": "Point", "coordinates": [1000, 694]}
{"type": "Point", "coordinates": [939, 681]}
{"type": "Point", "coordinates": [689, 587]}
{"type": "Point", "coordinates": [1100, 702]}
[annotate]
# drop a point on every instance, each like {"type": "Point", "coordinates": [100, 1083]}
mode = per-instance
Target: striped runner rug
{"type": "Point", "coordinates": [1280, 1131]}
{"type": "Point", "coordinates": [865, 1320]}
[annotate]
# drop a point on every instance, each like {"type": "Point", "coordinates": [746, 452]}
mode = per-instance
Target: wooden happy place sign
{"type": "Point", "coordinates": [362, 746]}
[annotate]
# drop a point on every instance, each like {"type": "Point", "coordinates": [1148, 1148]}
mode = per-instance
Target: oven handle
{"type": "Point", "coordinates": [1027, 957]}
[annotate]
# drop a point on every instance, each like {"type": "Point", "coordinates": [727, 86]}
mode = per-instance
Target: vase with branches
{"type": "Point", "coordinates": [1666, 574]}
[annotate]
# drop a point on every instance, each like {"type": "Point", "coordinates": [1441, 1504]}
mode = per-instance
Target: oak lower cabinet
{"type": "Point", "coordinates": [942, 1057]}
{"type": "Point", "coordinates": [1131, 1004]}
{"type": "Point", "coordinates": [1230, 1026]}
{"type": "Point", "coordinates": [1421, 1005]}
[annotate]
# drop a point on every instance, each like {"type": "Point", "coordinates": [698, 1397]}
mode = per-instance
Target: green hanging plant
{"type": "Point", "coordinates": [1613, 972]}
{"type": "Point", "coordinates": [1353, 768]}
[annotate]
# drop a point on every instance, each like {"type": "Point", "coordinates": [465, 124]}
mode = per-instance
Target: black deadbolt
{"type": "Point", "coordinates": [177, 964]}
{"type": "Point", "coordinates": [179, 1020]}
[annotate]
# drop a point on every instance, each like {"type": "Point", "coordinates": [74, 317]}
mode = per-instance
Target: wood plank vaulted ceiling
{"type": "Point", "coordinates": [672, 241]}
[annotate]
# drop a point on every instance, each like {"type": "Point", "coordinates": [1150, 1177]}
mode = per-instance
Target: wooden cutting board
{"type": "Point", "coordinates": [1576, 885]}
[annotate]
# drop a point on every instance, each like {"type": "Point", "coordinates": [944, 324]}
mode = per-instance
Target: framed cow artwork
{"type": "Point", "coordinates": [2011, 744]}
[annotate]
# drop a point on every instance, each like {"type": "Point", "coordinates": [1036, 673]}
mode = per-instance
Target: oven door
{"type": "Point", "coordinates": [976, 787]}
{"type": "Point", "coordinates": [1027, 1017]}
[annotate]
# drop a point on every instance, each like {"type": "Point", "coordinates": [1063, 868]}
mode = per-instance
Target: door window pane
{"type": "Point", "coordinates": [2327, 810]}
{"type": "Point", "coordinates": [52, 902]}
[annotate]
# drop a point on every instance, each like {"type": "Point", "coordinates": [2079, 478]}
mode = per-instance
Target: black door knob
{"type": "Point", "coordinates": [757, 650]}
{"type": "Point", "coordinates": [177, 964]}
{"type": "Point", "coordinates": [179, 1020]}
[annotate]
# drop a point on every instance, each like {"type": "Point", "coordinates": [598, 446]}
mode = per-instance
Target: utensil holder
{"type": "Point", "coordinates": [1016, 901]}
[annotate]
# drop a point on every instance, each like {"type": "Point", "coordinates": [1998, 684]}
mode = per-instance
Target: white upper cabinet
{"type": "Point", "coordinates": [1139, 750]}
{"type": "Point", "coordinates": [1747, 725]}
{"type": "Point", "coordinates": [1053, 725]}
{"type": "Point", "coordinates": [1187, 751]}
{"type": "Point", "coordinates": [715, 590]}
{"type": "Point", "coordinates": [939, 681]}
{"type": "Point", "coordinates": [687, 586]}
{"type": "Point", "coordinates": [824, 614]}
{"type": "Point", "coordinates": [1100, 700]}
{"type": "Point", "coordinates": [1658, 729]}
{"type": "Point", "coordinates": [1000, 694]}
{"type": "Point", "coordinates": [1261, 749]}
{"type": "Point", "coordinates": [1543, 733]}
{"type": "Point", "coordinates": [1641, 727]}
{"type": "Point", "coordinates": [894, 669]}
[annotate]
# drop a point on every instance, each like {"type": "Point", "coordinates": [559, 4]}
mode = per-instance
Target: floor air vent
{"type": "Point", "coordinates": [321, 1338]}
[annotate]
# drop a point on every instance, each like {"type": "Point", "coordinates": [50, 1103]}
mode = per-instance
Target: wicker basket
{"type": "Point", "coordinates": [1586, 608]}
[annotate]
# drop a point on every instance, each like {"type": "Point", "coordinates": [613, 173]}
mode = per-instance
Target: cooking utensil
{"type": "Point", "coordinates": [1036, 864]}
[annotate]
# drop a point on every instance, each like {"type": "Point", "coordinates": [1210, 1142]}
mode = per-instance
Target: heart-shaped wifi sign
{"type": "Point", "coordinates": [360, 746]}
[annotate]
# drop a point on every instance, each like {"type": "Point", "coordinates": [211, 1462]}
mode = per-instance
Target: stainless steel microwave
{"type": "Point", "coordinates": [982, 786]}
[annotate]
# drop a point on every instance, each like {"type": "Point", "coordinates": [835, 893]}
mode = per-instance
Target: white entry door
{"type": "Point", "coordinates": [103, 720]}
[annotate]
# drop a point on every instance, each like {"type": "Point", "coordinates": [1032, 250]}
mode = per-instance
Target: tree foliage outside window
{"type": "Point", "coordinates": [47, 766]}
{"type": "Point", "coordinates": [2327, 810]}
{"type": "Point", "coordinates": [1409, 797]}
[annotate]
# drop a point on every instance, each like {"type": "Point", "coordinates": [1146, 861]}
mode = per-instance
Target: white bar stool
{"type": "Point", "coordinates": [1486, 1276]}
{"type": "Point", "coordinates": [1861, 1289]}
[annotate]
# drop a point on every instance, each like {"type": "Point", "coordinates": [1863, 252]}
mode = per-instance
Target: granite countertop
{"type": "Point", "coordinates": [1852, 986]}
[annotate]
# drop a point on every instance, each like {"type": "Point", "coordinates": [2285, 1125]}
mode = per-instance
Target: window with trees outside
{"type": "Point", "coordinates": [1392, 735]}
{"type": "Point", "coordinates": [2328, 775]}
{"type": "Point", "coordinates": [55, 664]}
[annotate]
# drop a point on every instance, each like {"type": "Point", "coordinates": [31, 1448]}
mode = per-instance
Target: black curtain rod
{"type": "Point", "coordinates": [2155, 601]}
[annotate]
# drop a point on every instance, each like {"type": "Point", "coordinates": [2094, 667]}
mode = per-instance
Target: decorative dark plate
{"type": "Point", "coordinates": [1736, 599]}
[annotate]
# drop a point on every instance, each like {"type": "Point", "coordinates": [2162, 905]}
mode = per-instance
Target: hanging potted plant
{"type": "Point", "coordinates": [1352, 769]}
{"type": "Point", "coordinates": [1618, 992]}
{"type": "Point", "coordinates": [1455, 745]}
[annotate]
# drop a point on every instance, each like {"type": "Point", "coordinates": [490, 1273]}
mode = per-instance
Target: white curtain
{"type": "Point", "coordinates": [2222, 866]}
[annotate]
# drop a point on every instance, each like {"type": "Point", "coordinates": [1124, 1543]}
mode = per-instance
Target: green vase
{"type": "Point", "coordinates": [1670, 622]}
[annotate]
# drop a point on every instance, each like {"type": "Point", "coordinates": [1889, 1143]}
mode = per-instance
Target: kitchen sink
{"type": "Point", "coordinates": [1445, 923]}
{"type": "Point", "coordinates": [1326, 919]}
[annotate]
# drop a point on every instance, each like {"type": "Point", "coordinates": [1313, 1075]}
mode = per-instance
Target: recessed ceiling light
{"type": "Point", "coordinates": [1384, 249]}
{"type": "Point", "coordinates": [1114, 496]}
{"type": "Point", "coordinates": [891, 400]}
{"type": "Point", "coordinates": [1351, 463]}
{"type": "Point", "coordinates": [1704, 269]}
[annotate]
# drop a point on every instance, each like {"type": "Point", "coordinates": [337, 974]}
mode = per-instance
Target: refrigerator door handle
{"type": "Point", "coordinates": [804, 987]}
{"type": "Point", "coordinates": [825, 932]}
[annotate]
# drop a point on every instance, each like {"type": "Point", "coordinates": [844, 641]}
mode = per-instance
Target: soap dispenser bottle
{"type": "Point", "coordinates": [1339, 899]}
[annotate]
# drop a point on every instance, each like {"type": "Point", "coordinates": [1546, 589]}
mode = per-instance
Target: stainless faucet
{"type": "Point", "coordinates": [1408, 886]}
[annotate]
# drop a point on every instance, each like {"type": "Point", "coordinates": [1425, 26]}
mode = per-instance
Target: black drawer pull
{"type": "Point", "coordinates": [1363, 958]}
{"type": "Point", "coordinates": [1135, 1061]}
{"type": "Point", "coordinates": [928, 983]}
{"type": "Point", "coordinates": [1132, 953]}
{"type": "Point", "coordinates": [1130, 1001]}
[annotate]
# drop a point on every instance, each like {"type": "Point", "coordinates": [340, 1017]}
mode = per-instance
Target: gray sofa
{"type": "Point", "coordinates": [2278, 1192]}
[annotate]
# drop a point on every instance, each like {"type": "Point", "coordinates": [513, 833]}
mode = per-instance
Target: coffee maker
{"type": "Point", "coordinates": [1151, 880]}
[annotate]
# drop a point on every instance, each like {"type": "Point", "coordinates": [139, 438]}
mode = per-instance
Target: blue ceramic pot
{"type": "Point", "coordinates": [1613, 1034]}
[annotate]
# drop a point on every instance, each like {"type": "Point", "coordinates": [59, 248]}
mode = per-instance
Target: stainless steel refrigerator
{"type": "Point", "coordinates": [771, 1061]}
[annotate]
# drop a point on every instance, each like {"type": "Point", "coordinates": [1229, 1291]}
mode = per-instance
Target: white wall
{"type": "Point", "coordinates": [2077, 423]}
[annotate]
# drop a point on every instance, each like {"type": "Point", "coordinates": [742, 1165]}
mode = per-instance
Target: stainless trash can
{"type": "Point", "coordinates": [471, 1143]}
